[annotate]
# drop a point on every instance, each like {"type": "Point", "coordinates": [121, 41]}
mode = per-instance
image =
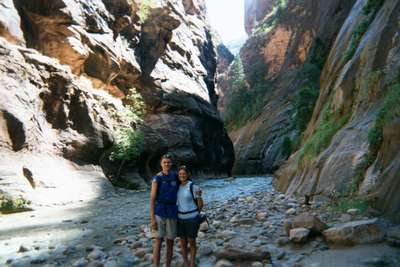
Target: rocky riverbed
{"type": "Point", "coordinates": [250, 225]}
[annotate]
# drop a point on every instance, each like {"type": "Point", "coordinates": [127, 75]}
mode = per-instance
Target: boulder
{"type": "Point", "coordinates": [299, 235]}
{"type": "Point", "coordinates": [356, 232]}
{"type": "Point", "coordinates": [310, 222]}
{"type": "Point", "coordinates": [393, 236]}
{"type": "Point", "coordinates": [243, 254]}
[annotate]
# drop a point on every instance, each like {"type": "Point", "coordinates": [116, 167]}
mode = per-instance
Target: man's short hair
{"type": "Point", "coordinates": [166, 156]}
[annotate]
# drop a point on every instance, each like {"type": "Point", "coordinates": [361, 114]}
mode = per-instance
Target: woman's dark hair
{"type": "Point", "coordinates": [183, 167]}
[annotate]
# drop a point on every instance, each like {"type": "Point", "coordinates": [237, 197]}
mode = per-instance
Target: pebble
{"type": "Point", "coordinates": [82, 262]}
{"type": "Point", "coordinates": [291, 211]}
{"type": "Point", "coordinates": [223, 263]}
{"type": "Point", "coordinates": [95, 263]}
{"type": "Point", "coordinates": [96, 254]}
{"type": "Point", "coordinates": [22, 249]}
{"type": "Point", "coordinates": [39, 260]}
{"type": "Point", "coordinates": [353, 212]}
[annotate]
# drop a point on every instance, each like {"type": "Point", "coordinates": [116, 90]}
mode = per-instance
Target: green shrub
{"type": "Point", "coordinates": [8, 205]}
{"type": "Point", "coordinates": [389, 110]}
{"type": "Point", "coordinates": [321, 139]}
{"type": "Point", "coordinates": [129, 142]}
{"type": "Point", "coordinates": [372, 6]}
{"type": "Point", "coordinates": [244, 103]}
{"type": "Point", "coordinates": [128, 145]}
{"type": "Point", "coordinates": [304, 105]}
{"type": "Point", "coordinates": [144, 10]}
{"type": "Point", "coordinates": [275, 17]}
{"type": "Point", "coordinates": [359, 172]}
{"type": "Point", "coordinates": [344, 204]}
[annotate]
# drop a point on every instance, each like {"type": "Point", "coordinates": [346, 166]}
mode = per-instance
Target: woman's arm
{"type": "Point", "coordinates": [199, 199]}
{"type": "Point", "coordinates": [200, 203]}
{"type": "Point", "coordinates": [153, 196]}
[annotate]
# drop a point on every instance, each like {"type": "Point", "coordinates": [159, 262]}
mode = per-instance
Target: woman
{"type": "Point", "coordinates": [190, 204]}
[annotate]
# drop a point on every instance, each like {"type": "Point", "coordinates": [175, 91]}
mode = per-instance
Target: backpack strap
{"type": "Point", "coordinates": [194, 199]}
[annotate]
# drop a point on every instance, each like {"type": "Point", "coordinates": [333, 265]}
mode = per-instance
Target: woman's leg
{"type": "Point", "coordinates": [193, 249]}
{"type": "Point", "coordinates": [170, 251]}
{"type": "Point", "coordinates": [184, 251]}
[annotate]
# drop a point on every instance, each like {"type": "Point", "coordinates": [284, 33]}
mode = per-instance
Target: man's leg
{"type": "Point", "coordinates": [192, 248]}
{"type": "Point", "coordinates": [170, 251]}
{"type": "Point", "coordinates": [157, 242]}
{"type": "Point", "coordinates": [184, 251]}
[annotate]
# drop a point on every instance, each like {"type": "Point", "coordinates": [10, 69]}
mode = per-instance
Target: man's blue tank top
{"type": "Point", "coordinates": [167, 189]}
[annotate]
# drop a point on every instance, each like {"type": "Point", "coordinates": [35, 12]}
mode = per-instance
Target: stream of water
{"type": "Point", "coordinates": [47, 232]}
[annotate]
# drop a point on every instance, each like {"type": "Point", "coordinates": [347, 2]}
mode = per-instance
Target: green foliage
{"type": "Point", "coordinates": [287, 146]}
{"type": "Point", "coordinates": [128, 145]}
{"type": "Point", "coordinates": [275, 17]}
{"type": "Point", "coordinates": [129, 142]}
{"type": "Point", "coordinates": [344, 204]}
{"type": "Point", "coordinates": [389, 110]}
{"type": "Point", "coordinates": [372, 6]}
{"type": "Point", "coordinates": [322, 136]}
{"type": "Point", "coordinates": [244, 103]}
{"type": "Point", "coordinates": [304, 105]}
{"type": "Point", "coordinates": [134, 107]}
{"type": "Point", "coordinates": [144, 10]}
{"type": "Point", "coordinates": [8, 205]}
{"type": "Point", "coordinates": [369, 11]}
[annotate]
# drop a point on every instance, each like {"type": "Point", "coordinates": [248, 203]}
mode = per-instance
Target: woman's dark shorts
{"type": "Point", "coordinates": [188, 227]}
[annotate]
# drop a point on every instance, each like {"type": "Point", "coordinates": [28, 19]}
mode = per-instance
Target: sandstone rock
{"type": "Point", "coordinates": [287, 225]}
{"type": "Point", "coordinates": [223, 263]}
{"type": "Point", "coordinates": [309, 221]}
{"type": "Point", "coordinates": [393, 236]}
{"type": "Point", "coordinates": [344, 218]}
{"type": "Point", "coordinates": [356, 232]}
{"type": "Point", "coordinates": [22, 249]}
{"type": "Point", "coordinates": [290, 211]}
{"type": "Point", "coordinates": [10, 23]}
{"type": "Point", "coordinates": [141, 252]}
{"type": "Point", "coordinates": [204, 227]}
{"type": "Point", "coordinates": [95, 263]}
{"type": "Point", "coordinates": [236, 254]}
{"type": "Point", "coordinates": [257, 264]}
{"type": "Point", "coordinates": [260, 216]}
{"type": "Point", "coordinates": [299, 235]}
{"type": "Point", "coordinates": [96, 255]}
{"type": "Point", "coordinates": [206, 249]}
{"type": "Point", "coordinates": [353, 212]}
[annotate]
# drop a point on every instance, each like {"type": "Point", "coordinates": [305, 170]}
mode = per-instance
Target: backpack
{"type": "Point", "coordinates": [201, 217]}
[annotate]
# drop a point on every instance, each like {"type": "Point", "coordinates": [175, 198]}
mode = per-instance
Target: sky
{"type": "Point", "coordinates": [227, 18]}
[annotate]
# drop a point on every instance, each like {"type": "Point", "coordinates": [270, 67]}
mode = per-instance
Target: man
{"type": "Point", "coordinates": [163, 210]}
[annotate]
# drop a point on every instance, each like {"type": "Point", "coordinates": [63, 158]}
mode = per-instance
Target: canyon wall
{"type": "Point", "coordinates": [66, 70]}
{"type": "Point", "coordinates": [340, 61]}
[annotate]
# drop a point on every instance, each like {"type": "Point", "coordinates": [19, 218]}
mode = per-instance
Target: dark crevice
{"type": "Point", "coordinates": [16, 130]}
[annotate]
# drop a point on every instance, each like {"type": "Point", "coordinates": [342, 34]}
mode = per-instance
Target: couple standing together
{"type": "Point", "coordinates": [175, 205]}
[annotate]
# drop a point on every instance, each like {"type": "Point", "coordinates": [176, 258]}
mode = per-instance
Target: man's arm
{"type": "Point", "coordinates": [153, 196]}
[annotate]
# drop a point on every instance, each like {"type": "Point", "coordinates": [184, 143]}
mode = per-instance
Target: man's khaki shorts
{"type": "Point", "coordinates": [166, 228]}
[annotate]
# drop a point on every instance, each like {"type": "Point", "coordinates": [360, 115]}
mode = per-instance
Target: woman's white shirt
{"type": "Point", "coordinates": [185, 201]}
